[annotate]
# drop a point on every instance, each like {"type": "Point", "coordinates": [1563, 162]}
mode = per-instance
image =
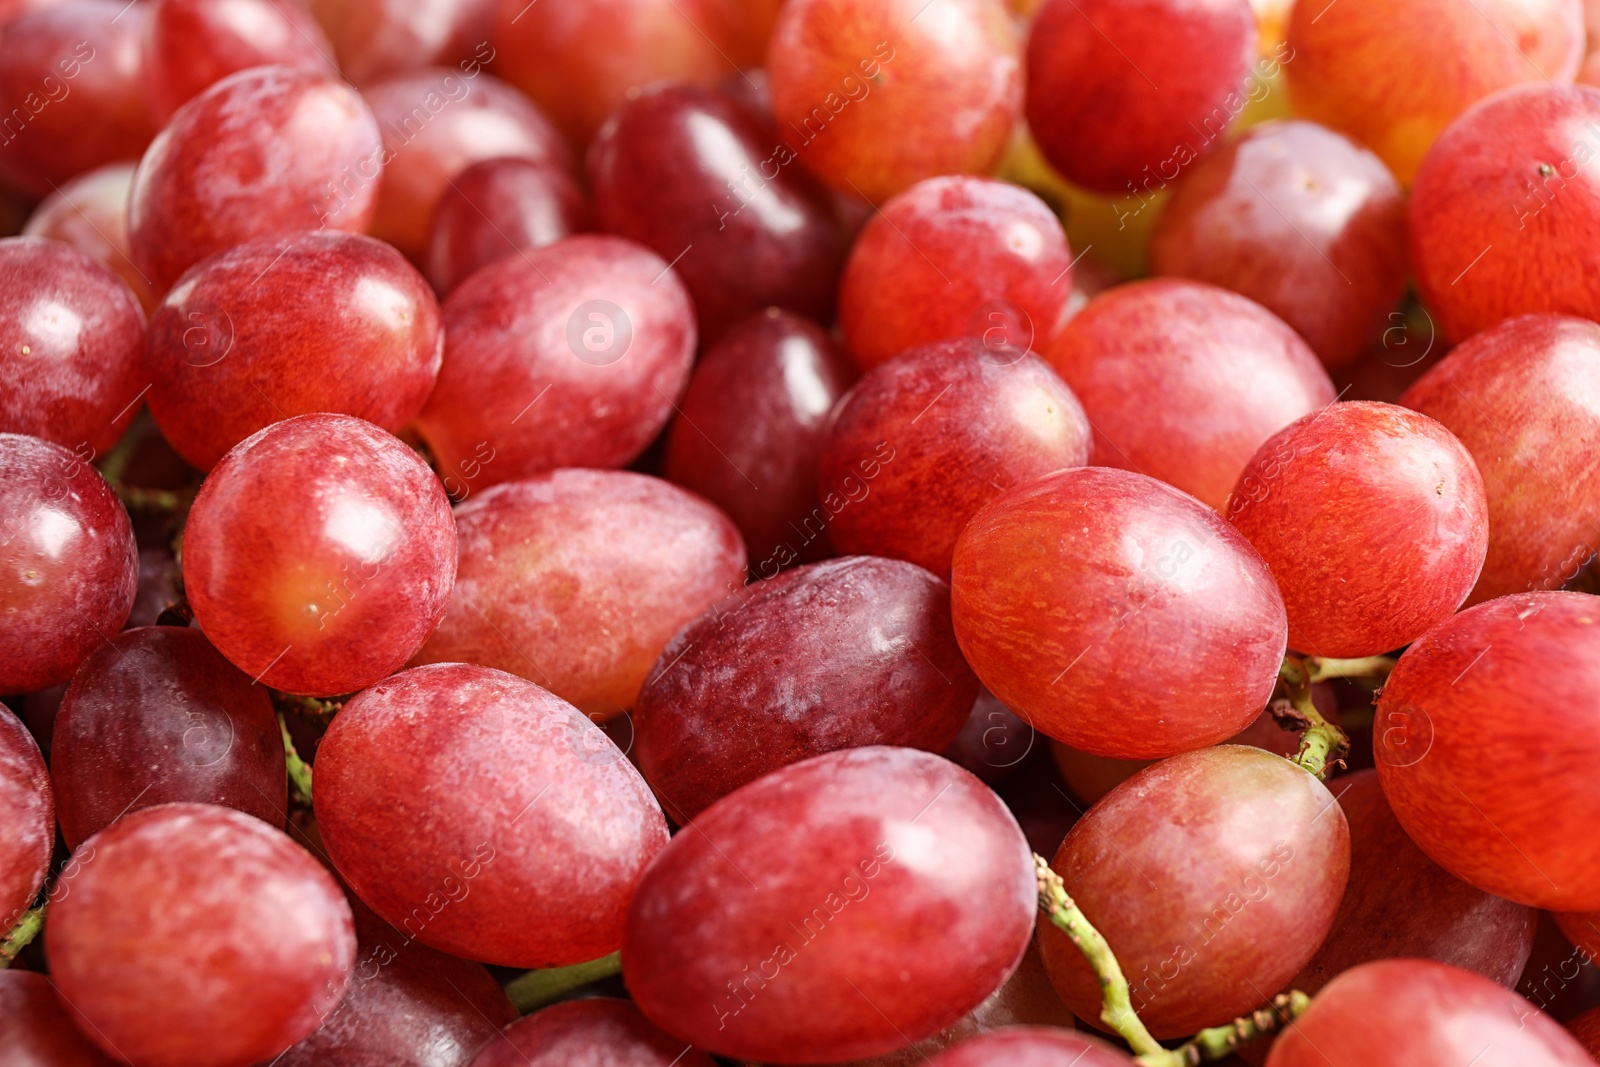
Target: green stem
{"type": "Point", "coordinates": [1321, 742]}
{"type": "Point", "coordinates": [313, 710]}
{"type": "Point", "coordinates": [17, 939]}
{"type": "Point", "coordinates": [299, 769]}
{"type": "Point", "coordinates": [1368, 668]}
{"type": "Point", "coordinates": [537, 988]}
{"type": "Point", "coordinates": [1220, 1042]}
{"type": "Point", "coordinates": [170, 501]}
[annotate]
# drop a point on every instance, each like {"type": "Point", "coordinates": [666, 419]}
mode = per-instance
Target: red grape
{"type": "Point", "coordinates": [1213, 875]}
{"type": "Point", "coordinates": [377, 38]}
{"type": "Point", "coordinates": [840, 654]}
{"type": "Point", "coordinates": [1117, 614]}
{"type": "Point", "coordinates": [577, 579]}
{"type": "Point", "coordinates": [1486, 736]}
{"type": "Point", "coordinates": [485, 817]}
{"type": "Point", "coordinates": [68, 565]}
{"type": "Point", "coordinates": [924, 441]}
{"type": "Point", "coordinates": [993, 741]}
{"type": "Point", "coordinates": [859, 854]}
{"type": "Point", "coordinates": [319, 554]}
{"type": "Point", "coordinates": [1373, 520]}
{"type": "Point", "coordinates": [1521, 397]}
{"type": "Point", "coordinates": [1586, 1028]}
{"type": "Point", "coordinates": [1031, 1046]}
{"type": "Point", "coordinates": [90, 212]}
{"type": "Point", "coordinates": [73, 338]}
{"type": "Point", "coordinates": [692, 175]}
{"type": "Point", "coordinates": [1421, 1012]}
{"type": "Point", "coordinates": [955, 257]}
{"type": "Point", "coordinates": [236, 346]}
{"type": "Point", "coordinates": [156, 716]}
{"type": "Point", "coordinates": [1300, 219]}
{"type": "Point", "coordinates": [600, 1031]}
{"type": "Point", "coordinates": [265, 151]}
{"type": "Point", "coordinates": [27, 809]}
{"type": "Point", "coordinates": [750, 428]}
{"type": "Point", "coordinates": [499, 207]}
{"type": "Point", "coordinates": [599, 323]}
{"type": "Point", "coordinates": [39, 1031]}
{"type": "Point", "coordinates": [1183, 381]}
{"type": "Point", "coordinates": [1095, 106]}
{"type": "Point", "coordinates": [196, 936]}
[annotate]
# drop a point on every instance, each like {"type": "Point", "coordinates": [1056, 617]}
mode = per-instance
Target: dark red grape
{"type": "Point", "coordinates": [499, 207]}
{"type": "Point", "coordinates": [1586, 1028]}
{"type": "Point", "coordinates": [599, 1031]}
{"type": "Point", "coordinates": [27, 809]}
{"type": "Point", "coordinates": [319, 554]}
{"type": "Point", "coordinates": [827, 957]}
{"type": "Point", "coordinates": [377, 38]}
{"type": "Point", "coordinates": [993, 741]}
{"type": "Point", "coordinates": [1032, 1046]}
{"type": "Point", "coordinates": [68, 565]}
{"type": "Point", "coordinates": [485, 817]}
{"type": "Point", "coordinates": [39, 1030]}
{"type": "Point", "coordinates": [90, 212]}
{"type": "Point", "coordinates": [195, 936]}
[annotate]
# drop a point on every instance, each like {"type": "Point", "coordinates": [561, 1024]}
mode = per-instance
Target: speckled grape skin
{"type": "Point", "coordinates": [750, 428]}
{"type": "Point", "coordinates": [1373, 520]}
{"type": "Point", "coordinates": [884, 844]}
{"type": "Point", "coordinates": [597, 1032]}
{"type": "Point", "coordinates": [577, 579]}
{"type": "Point", "coordinates": [496, 208]}
{"type": "Point", "coordinates": [1183, 381]}
{"type": "Point", "coordinates": [1421, 1012]}
{"type": "Point", "coordinates": [1486, 737]}
{"type": "Point", "coordinates": [68, 565]}
{"type": "Point", "coordinates": [265, 151]}
{"type": "Point", "coordinates": [1117, 614]}
{"type": "Point", "coordinates": [40, 1032]}
{"type": "Point", "coordinates": [71, 345]}
{"type": "Point", "coordinates": [158, 716]}
{"type": "Point", "coordinates": [954, 424]}
{"type": "Point", "coordinates": [75, 71]}
{"type": "Point", "coordinates": [839, 654]}
{"type": "Point", "coordinates": [374, 39]}
{"type": "Point", "coordinates": [568, 356]}
{"type": "Point", "coordinates": [1213, 875]}
{"type": "Point", "coordinates": [407, 1006]}
{"type": "Point", "coordinates": [90, 212]}
{"type": "Point", "coordinates": [484, 816]}
{"type": "Point", "coordinates": [1523, 398]}
{"type": "Point", "coordinates": [346, 592]}
{"type": "Point", "coordinates": [236, 346]}
{"type": "Point", "coordinates": [955, 257]}
{"type": "Point", "coordinates": [196, 936]}
{"type": "Point", "coordinates": [1032, 1046]}
{"type": "Point", "coordinates": [660, 169]}
{"type": "Point", "coordinates": [437, 122]}
{"type": "Point", "coordinates": [27, 809]}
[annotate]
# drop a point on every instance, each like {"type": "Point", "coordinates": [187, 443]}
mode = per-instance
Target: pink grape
{"type": "Point", "coordinates": [498, 207]}
{"type": "Point", "coordinates": [599, 1031]}
{"type": "Point", "coordinates": [39, 1030]}
{"type": "Point", "coordinates": [1032, 1046]}
{"type": "Point", "coordinates": [27, 807]}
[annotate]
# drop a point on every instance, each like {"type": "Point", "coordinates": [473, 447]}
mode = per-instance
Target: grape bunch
{"type": "Point", "coordinates": [723, 533]}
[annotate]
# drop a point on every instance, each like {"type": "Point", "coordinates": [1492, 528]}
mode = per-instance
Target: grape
{"type": "Point", "coordinates": [236, 346]}
{"type": "Point", "coordinates": [319, 554]}
{"type": "Point", "coordinates": [155, 716]}
{"type": "Point", "coordinates": [1300, 219]}
{"type": "Point", "coordinates": [1421, 1012]}
{"type": "Point", "coordinates": [1118, 90]}
{"type": "Point", "coordinates": [769, 236]}
{"type": "Point", "coordinates": [750, 428]}
{"type": "Point", "coordinates": [1521, 397]}
{"type": "Point", "coordinates": [577, 579]}
{"type": "Point", "coordinates": [1486, 734]}
{"type": "Point", "coordinates": [1117, 614]}
{"type": "Point", "coordinates": [27, 809]}
{"type": "Point", "coordinates": [484, 817]}
{"type": "Point", "coordinates": [436, 123]}
{"type": "Point", "coordinates": [39, 1031]}
{"type": "Point", "coordinates": [1032, 1046]}
{"type": "Point", "coordinates": [840, 654]}
{"type": "Point", "coordinates": [955, 257]}
{"type": "Point", "coordinates": [1183, 381]}
{"type": "Point", "coordinates": [1213, 875]}
{"type": "Point", "coordinates": [1586, 1028]}
{"type": "Point", "coordinates": [90, 212]}
{"type": "Point", "coordinates": [377, 38]}
{"type": "Point", "coordinates": [993, 741]}
{"type": "Point", "coordinates": [498, 207]}
{"type": "Point", "coordinates": [750, 24]}
{"type": "Point", "coordinates": [600, 323]}
{"type": "Point", "coordinates": [195, 936]}
{"type": "Point", "coordinates": [858, 854]}
{"type": "Point", "coordinates": [944, 92]}
{"type": "Point", "coordinates": [599, 1031]}
{"type": "Point", "coordinates": [190, 45]}
{"type": "Point", "coordinates": [266, 151]}
{"type": "Point", "coordinates": [407, 1006]}
{"type": "Point", "coordinates": [73, 339]}
{"type": "Point", "coordinates": [68, 566]}
{"type": "Point", "coordinates": [1373, 520]}
{"type": "Point", "coordinates": [924, 441]}
{"type": "Point", "coordinates": [72, 92]}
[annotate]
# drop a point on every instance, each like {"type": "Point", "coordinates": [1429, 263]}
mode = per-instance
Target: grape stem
{"type": "Point", "coordinates": [537, 988]}
{"type": "Point", "coordinates": [20, 935]}
{"type": "Point", "coordinates": [1220, 1042]}
{"type": "Point", "coordinates": [1322, 744]}
{"type": "Point", "coordinates": [299, 769]}
{"type": "Point", "coordinates": [315, 711]}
